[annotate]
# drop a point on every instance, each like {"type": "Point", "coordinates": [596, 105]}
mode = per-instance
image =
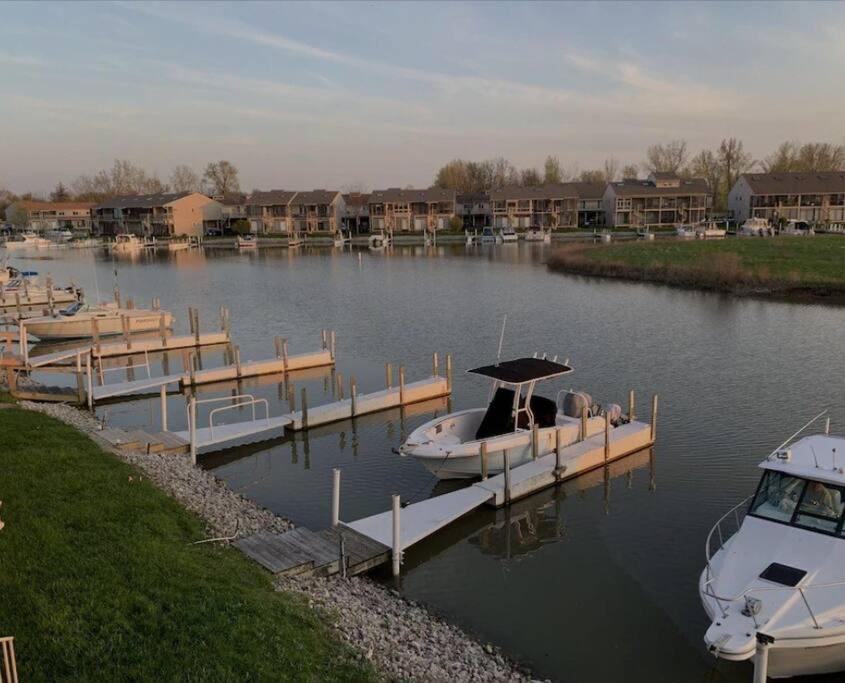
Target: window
{"type": "Point", "coordinates": [811, 505]}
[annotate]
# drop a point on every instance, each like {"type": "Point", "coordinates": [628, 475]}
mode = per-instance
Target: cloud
{"type": "Point", "coordinates": [21, 60]}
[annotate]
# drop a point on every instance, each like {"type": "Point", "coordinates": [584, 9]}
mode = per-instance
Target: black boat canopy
{"type": "Point", "coordinates": [522, 370]}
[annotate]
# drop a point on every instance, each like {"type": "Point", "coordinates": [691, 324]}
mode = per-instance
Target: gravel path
{"type": "Point", "coordinates": [403, 639]}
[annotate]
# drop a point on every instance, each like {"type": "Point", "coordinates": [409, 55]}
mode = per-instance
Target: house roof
{"type": "Point", "coordinates": [473, 198]}
{"type": "Point", "coordinates": [796, 183]}
{"type": "Point", "coordinates": [641, 188]}
{"type": "Point", "coordinates": [315, 197]}
{"type": "Point", "coordinates": [36, 205]}
{"type": "Point", "coordinates": [546, 191]}
{"type": "Point", "coordinates": [396, 195]}
{"type": "Point", "coordinates": [231, 198]}
{"type": "Point", "coordinates": [354, 199]}
{"type": "Point", "coordinates": [143, 201]}
{"type": "Point", "coordinates": [271, 197]}
{"type": "Point", "coordinates": [664, 175]}
{"type": "Point", "coordinates": [589, 190]}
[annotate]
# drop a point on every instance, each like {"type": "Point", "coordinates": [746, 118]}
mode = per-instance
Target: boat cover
{"type": "Point", "coordinates": [498, 419]}
{"type": "Point", "coordinates": [522, 370]}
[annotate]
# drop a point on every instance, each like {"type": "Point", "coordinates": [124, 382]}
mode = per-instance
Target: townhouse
{"type": "Point", "coordinates": [552, 206]}
{"type": "Point", "coordinates": [317, 211]}
{"type": "Point", "coordinates": [661, 200]}
{"type": "Point", "coordinates": [41, 216]}
{"type": "Point", "coordinates": [590, 204]}
{"type": "Point", "coordinates": [233, 208]}
{"type": "Point", "coordinates": [474, 209]}
{"type": "Point", "coordinates": [817, 197]}
{"type": "Point", "coordinates": [270, 211]}
{"type": "Point", "coordinates": [397, 210]}
{"type": "Point", "coordinates": [165, 214]}
{"type": "Point", "coordinates": [357, 218]}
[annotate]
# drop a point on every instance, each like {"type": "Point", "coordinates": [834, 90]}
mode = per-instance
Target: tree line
{"type": "Point", "coordinates": [720, 167]}
{"type": "Point", "coordinates": [126, 178]}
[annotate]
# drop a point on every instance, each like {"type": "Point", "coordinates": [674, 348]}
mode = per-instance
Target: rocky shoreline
{"type": "Point", "coordinates": [402, 639]}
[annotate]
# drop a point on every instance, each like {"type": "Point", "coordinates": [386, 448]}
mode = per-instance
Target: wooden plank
{"type": "Point", "coordinates": [273, 553]}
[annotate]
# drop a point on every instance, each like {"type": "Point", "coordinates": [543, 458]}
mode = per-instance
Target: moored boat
{"type": "Point", "coordinates": [488, 236]}
{"type": "Point", "coordinates": [21, 289]}
{"type": "Point", "coordinates": [508, 235]}
{"type": "Point", "coordinates": [79, 321]}
{"type": "Point", "coordinates": [450, 446]}
{"type": "Point", "coordinates": [29, 240]}
{"type": "Point", "coordinates": [379, 240]}
{"type": "Point", "coordinates": [537, 235]}
{"type": "Point", "coordinates": [127, 244]}
{"type": "Point", "coordinates": [246, 242]}
{"type": "Point", "coordinates": [775, 589]}
{"type": "Point", "coordinates": [755, 227]}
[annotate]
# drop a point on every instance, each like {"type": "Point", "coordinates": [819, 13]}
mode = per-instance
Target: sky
{"type": "Point", "coordinates": [330, 95]}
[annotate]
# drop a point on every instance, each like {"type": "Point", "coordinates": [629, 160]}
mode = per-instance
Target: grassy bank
{"type": "Point", "coordinates": [99, 580]}
{"type": "Point", "coordinates": [784, 266]}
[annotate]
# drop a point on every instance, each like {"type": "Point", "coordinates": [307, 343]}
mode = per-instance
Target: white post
{"type": "Point", "coordinates": [631, 405]}
{"type": "Point", "coordinates": [353, 395]}
{"type": "Point", "coordinates": [761, 663]}
{"type": "Point", "coordinates": [653, 417]}
{"type": "Point", "coordinates": [827, 426]}
{"type": "Point", "coordinates": [333, 338]}
{"type": "Point", "coordinates": [449, 372]}
{"type": "Point", "coordinates": [507, 458]}
{"type": "Point", "coordinates": [434, 364]}
{"type": "Point", "coordinates": [397, 542]}
{"type": "Point", "coordinates": [192, 427]}
{"type": "Point", "coordinates": [163, 408]}
{"type": "Point", "coordinates": [606, 437]}
{"type": "Point", "coordinates": [558, 453]}
{"type": "Point", "coordinates": [336, 497]}
{"type": "Point", "coordinates": [89, 372]}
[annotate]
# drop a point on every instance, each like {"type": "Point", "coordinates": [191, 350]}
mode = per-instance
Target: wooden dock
{"type": "Point", "coordinates": [301, 551]}
{"type": "Point", "coordinates": [139, 440]}
{"type": "Point", "coordinates": [255, 368]}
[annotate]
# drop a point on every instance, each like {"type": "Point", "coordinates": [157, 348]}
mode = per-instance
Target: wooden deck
{"type": "Point", "coordinates": [301, 551]}
{"type": "Point", "coordinates": [46, 394]}
{"type": "Point", "coordinates": [139, 440]}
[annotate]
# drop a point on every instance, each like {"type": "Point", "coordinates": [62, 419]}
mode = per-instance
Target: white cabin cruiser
{"type": "Point", "coordinates": [775, 590]}
{"type": "Point", "coordinates": [537, 235]}
{"type": "Point", "coordinates": [21, 288]}
{"type": "Point", "coordinates": [756, 227]}
{"type": "Point", "coordinates": [78, 321]}
{"type": "Point", "coordinates": [508, 235]}
{"type": "Point", "coordinates": [30, 240]}
{"type": "Point", "coordinates": [246, 242]}
{"type": "Point", "coordinates": [379, 240]}
{"type": "Point", "coordinates": [708, 230]}
{"type": "Point", "coordinates": [127, 243]}
{"type": "Point", "coordinates": [450, 446]}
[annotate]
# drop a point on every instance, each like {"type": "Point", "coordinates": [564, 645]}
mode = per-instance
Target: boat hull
{"type": "Point", "coordinates": [67, 328]}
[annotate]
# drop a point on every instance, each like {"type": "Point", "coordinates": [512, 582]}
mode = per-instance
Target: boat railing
{"type": "Point", "coordinates": [118, 368]}
{"type": "Point", "coordinates": [238, 401]}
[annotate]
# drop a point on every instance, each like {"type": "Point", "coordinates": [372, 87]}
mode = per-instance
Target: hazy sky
{"type": "Point", "coordinates": [324, 95]}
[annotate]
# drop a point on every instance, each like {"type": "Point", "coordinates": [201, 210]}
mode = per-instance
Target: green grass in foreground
{"type": "Point", "coordinates": [780, 262]}
{"type": "Point", "coordinates": [98, 580]}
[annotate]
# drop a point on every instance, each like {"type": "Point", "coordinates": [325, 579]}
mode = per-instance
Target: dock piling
{"type": "Point", "coordinates": [583, 424]}
{"type": "Point", "coordinates": [162, 329]}
{"type": "Point", "coordinates": [827, 426]}
{"type": "Point", "coordinates": [277, 340]}
{"type": "Point", "coordinates": [631, 417]}
{"type": "Point", "coordinates": [558, 449]}
{"type": "Point", "coordinates": [397, 543]}
{"type": "Point", "coordinates": [304, 409]}
{"type": "Point", "coordinates": [338, 385]}
{"type": "Point", "coordinates": [606, 437]}
{"type": "Point", "coordinates": [163, 395]}
{"type": "Point", "coordinates": [653, 418]}
{"type": "Point", "coordinates": [388, 375]}
{"type": "Point", "coordinates": [191, 319]}
{"type": "Point", "coordinates": [95, 333]}
{"type": "Point", "coordinates": [353, 394]}
{"type": "Point", "coordinates": [484, 468]}
{"type": "Point", "coordinates": [336, 497]}
{"type": "Point", "coordinates": [237, 350]}
{"type": "Point", "coordinates": [449, 372]}
{"type": "Point", "coordinates": [535, 441]}
{"type": "Point", "coordinates": [434, 364]}
{"type": "Point", "coordinates": [324, 336]}
{"type": "Point", "coordinates": [197, 326]}
{"type": "Point", "coordinates": [401, 385]}
{"type": "Point", "coordinates": [333, 344]}
{"type": "Point", "coordinates": [507, 458]}
{"type": "Point", "coordinates": [192, 427]}
{"type": "Point", "coordinates": [285, 354]}
{"type": "Point", "coordinates": [89, 372]}
{"type": "Point", "coordinates": [291, 397]}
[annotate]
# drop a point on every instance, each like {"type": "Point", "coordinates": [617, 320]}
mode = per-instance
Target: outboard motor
{"type": "Point", "coordinates": [576, 403]}
{"type": "Point", "coordinates": [615, 412]}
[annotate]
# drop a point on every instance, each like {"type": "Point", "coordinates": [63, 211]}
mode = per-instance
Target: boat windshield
{"type": "Point", "coordinates": [804, 503]}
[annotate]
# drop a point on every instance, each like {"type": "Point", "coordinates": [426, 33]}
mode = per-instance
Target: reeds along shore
{"type": "Point", "coordinates": [719, 269]}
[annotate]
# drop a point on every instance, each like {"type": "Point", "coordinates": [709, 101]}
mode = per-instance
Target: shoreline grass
{"type": "Point", "coordinates": [99, 580]}
{"type": "Point", "coordinates": [790, 267]}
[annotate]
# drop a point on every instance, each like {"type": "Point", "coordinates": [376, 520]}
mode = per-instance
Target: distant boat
{"type": "Point", "coordinates": [60, 236]}
{"type": "Point", "coordinates": [537, 235]}
{"type": "Point", "coordinates": [246, 242]}
{"type": "Point", "coordinates": [76, 321]}
{"type": "Point", "coordinates": [379, 240]}
{"type": "Point", "coordinates": [341, 239]}
{"type": "Point", "coordinates": [508, 235]}
{"type": "Point", "coordinates": [29, 240]}
{"type": "Point", "coordinates": [295, 240]}
{"type": "Point", "coordinates": [488, 236]}
{"type": "Point", "coordinates": [756, 227]}
{"type": "Point", "coordinates": [126, 244]}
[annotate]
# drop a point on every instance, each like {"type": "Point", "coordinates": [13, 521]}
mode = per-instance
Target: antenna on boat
{"type": "Point", "coordinates": [815, 459]}
{"type": "Point", "coordinates": [501, 339]}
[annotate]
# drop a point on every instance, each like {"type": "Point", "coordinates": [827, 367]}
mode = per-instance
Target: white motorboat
{"type": "Point", "coordinates": [756, 227]}
{"type": "Point", "coordinates": [21, 289]}
{"type": "Point", "coordinates": [29, 240]}
{"type": "Point", "coordinates": [775, 589]}
{"type": "Point", "coordinates": [794, 227]}
{"type": "Point", "coordinates": [179, 245]}
{"type": "Point", "coordinates": [508, 235]}
{"type": "Point", "coordinates": [60, 236]}
{"type": "Point", "coordinates": [709, 230]}
{"type": "Point", "coordinates": [127, 243]}
{"type": "Point", "coordinates": [246, 242]}
{"type": "Point", "coordinates": [340, 239]}
{"type": "Point", "coordinates": [295, 240]}
{"type": "Point", "coordinates": [379, 240]}
{"type": "Point", "coordinates": [450, 446]}
{"type": "Point", "coordinates": [685, 232]}
{"type": "Point", "coordinates": [537, 235]}
{"type": "Point", "coordinates": [78, 321]}
{"type": "Point", "coordinates": [488, 236]}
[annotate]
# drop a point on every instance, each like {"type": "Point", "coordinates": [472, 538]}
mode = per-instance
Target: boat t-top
{"type": "Point", "coordinates": [82, 321]}
{"type": "Point", "coordinates": [775, 589]}
{"type": "Point", "coordinates": [450, 446]}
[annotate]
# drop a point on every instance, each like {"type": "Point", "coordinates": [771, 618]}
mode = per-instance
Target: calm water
{"type": "Point", "coordinates": [594, 581]}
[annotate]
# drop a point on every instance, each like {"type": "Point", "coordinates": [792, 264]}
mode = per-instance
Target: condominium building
{"type": "Point", "coordinates": [551, 206]}
{"type": "Point", "coordinates": [317, 211]}
{"type": "Point", "coordinates": [661, 200]}
{"type": "Point", "coordinates": [157, 215]}
{"type": "Point", "coordinates": [233, 208]}
{"type": "Point", "coordinates": [817, 197]}
{"type": "Point", "coordinates": [41, 216]}
{"type": "Point", "coordinates": [357, 214]}
{"type": "Point", "coordinates": [397, 210]}
{"type": "Point", "coordinates": [590, 204]}
{"type": "Point", "coordinates": [270, 211]}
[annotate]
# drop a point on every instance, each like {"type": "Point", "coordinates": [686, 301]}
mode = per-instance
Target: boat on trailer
{"type": "Point", "coordinates": [450, 446]}
{"type": "Point", "coordinates": [78, 321]}
{"type": "Point", "coordinates": [775, 589]}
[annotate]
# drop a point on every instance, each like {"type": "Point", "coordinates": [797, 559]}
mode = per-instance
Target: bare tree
{"type": "Point", "coordinates": [17, 215]}
{"type": "Point", "coordinates": [529, 177]}
{"type": "Point", "coordinates": [668, 158]}
{"type": "Point", "coordinates": [783, 159]}
{"type": "Point", "coordinates": [630, 171]}
{"type": "Point", "coordinates": [611, 169]}
{"type": "Point", "coordinates": [222, 176]}
{"type": "Point", "coordinates": [552, 171]}
{"type": "Point", "coordinates": [59, 193]}
{"type": "Point", "coordinates": [706, 165]}
{"type": "Point", "coordinates": [594, 176]}
{"type": "Point", "coordinates": [356, 187]}
{"type": "Point", "coordinates": [734, 161]}
{"type": "Point", "coordinates": [184, 179]}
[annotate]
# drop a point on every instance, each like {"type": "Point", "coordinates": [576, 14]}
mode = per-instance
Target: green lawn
{"type": "Point", "coordinates": [780, 262]}
{"type": "Point", "coordinates": [98, 580]}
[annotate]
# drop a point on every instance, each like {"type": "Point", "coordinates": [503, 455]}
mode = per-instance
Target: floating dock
{"type": "Point", "coordinates": [254, 368]}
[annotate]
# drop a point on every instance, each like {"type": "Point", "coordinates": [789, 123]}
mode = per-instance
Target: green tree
{"type": "Point", "coordinates": [551, 170]}
{"type": "Point", "coordinates": [456, 224]}
{"type": "Point", "coordinates": [241, 226]}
